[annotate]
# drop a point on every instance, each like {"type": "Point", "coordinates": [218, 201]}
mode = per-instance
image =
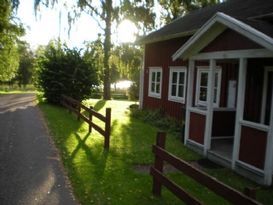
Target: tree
{"type": "Point", "coordinates": [128, 58]}
{"type": "Point", "coordinates": [25, 72]}
{"type": "Point", "coordinates": [106, 13]}
{"type": "Point", "coordinates": [9, 33]}
{"type": "Point", "coordinates": [172, 9]}
{"type": "Point", "coordinates": [64, 71]}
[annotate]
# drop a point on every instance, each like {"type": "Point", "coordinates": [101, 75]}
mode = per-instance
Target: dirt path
{"type": "Point", "coordinates": [30, 171]}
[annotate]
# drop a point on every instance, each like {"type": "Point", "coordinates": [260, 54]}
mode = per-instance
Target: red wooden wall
{"type": "Point", "coordinates": [230, 40]}
{"type": "Point", "coordinates": [252, 147]}
{"type": "Point", "coordinates": [160, 54]}
{"type": "Point", "coordinates": [197, 127]}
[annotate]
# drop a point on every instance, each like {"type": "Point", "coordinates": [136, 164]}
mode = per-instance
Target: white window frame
{"type": "Point", "coordinates": [176, 98]}
{"type": "Point", "coordinates": [202, 69]}
{"type": "Point", "coordinates": [152, 93]}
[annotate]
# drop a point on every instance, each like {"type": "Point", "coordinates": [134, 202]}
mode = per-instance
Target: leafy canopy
{"type": "Point", "coordinates": [64, 71]}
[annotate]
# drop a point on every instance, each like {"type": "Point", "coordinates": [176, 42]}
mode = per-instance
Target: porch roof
{"type": "Point", "coordinates": [257, 31]}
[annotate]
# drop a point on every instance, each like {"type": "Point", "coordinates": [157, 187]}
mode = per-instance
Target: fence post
{"type": "Point", "coordinates": [158, 164]}
{"type": "Point", "coordinates": [90, 119]}
{"type": "Point", "coordinates": [107, 128]}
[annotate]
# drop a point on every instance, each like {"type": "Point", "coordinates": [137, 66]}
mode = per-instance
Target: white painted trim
{"type": "Point", "coordinates": [141, 80]}
{"type": "Point", "coordinates": [151, 70]}
{"type": "Point", "coordinates": [189, 95]}
{"type": "Point", "coordinates": [195, 143]}
{"type": "Point", "coordinates": [248, 53]}
{"type": "Point", "coordinates": [178, 69]}
{"type": "Point", "coordinates": [268, 168]}
{"type": "Point", "coordinates": [250, 167]}
{"type": "Point", "coordinates": [266, 74]}
{"type": "Point", "coordinates": [198, 111]}
{"type": "Point", "coordinates": [230, 22]}
{"type": "Point", "coordinates": [240, 109]}
{"type": "Point", "coordinates": [209, 116]}
{"type": "Point", "coordinates": [201, 69]}
{"type": "Point", "coordinates": [254, 125]}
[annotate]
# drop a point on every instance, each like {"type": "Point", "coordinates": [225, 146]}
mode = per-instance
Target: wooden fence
{"type": "Point", "coordinates": [76, 107]}
{"type": "Point", "coordinates": [159, 179]}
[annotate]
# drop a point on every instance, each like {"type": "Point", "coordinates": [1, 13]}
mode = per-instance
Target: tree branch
{"type": "Point", "coordinates": [93, 9]}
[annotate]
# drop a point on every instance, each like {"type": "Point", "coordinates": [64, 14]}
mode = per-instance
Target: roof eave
{"type": "Point", "coordinates": [165, 38]}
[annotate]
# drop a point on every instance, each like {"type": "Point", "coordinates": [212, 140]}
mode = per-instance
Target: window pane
{"type": "Point", "coordinates": [158, 88]}
{"type": "Point", "coordinates": [180, 91]}
{"type": "Point", "coordinates": [204, 79]}
{"type": "Point", "coordinates": [158, 77]}
{"type": "Point", "coordinates": [153, 87]}
{"type": "Point", "coordinates": [216, 80]}
{"type": "Point", "coordinates": [174, 80]}
{"type": "Point", "coordinates": [181, 77]}
{"type": "Point", "coordinates": [215, 95]}
{"type": "Point", "coordinates": [153, 76]}
{"type": "Point", "coordinates": [203, 94]}
{"type": "Point", "coordinates": [173, 90]}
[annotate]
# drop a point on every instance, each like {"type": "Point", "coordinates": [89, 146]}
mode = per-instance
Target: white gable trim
{"type": "Point", "coordinates": [218, 23]}
{"type": "Point", "coordinates": [248, 53]}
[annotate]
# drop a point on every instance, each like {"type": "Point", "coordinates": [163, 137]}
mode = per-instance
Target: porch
{"type": "Point", "coordinates": [233, 129]}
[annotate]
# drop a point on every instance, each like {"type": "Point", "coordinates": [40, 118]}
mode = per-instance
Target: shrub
{"type": "Point", "coordinates": [133, 92]}
{"type": "Point", "coordinates": [64, 71]}
{"type": "Point", "coordinates": [157, 119]}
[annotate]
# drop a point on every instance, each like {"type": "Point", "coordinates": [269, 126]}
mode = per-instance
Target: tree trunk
{"type": "Point", "coordinates": [107, 49]}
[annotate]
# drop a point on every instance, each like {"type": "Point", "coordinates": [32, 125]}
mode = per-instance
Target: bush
{"type": "Point", "coordinates": [64, 71]}
{"type": "Point", "coordinates": [157, 119]}
{"type": "Point", "coordinates": [133, 92]}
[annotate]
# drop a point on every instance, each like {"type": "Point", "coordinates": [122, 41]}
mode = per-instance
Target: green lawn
{"type": "Point", "coordinates": [101, 177]}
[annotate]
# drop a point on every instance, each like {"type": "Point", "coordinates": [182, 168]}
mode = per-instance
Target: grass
{"type": "Point", "coordinates": [110, 177]}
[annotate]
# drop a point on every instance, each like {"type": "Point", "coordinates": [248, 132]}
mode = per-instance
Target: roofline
{"type": "Point", "coordinates": [168, 37]}
{"type": "Point", "coordinates": [242, 28]}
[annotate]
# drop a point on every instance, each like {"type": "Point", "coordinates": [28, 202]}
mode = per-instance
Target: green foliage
{"type": "Point", "coordinates": [26, 71]}
{"type": "Point", "coordinates": [128, 59]}
{"type": "Point", "coordinates": [172, 9]}
{"type": "Point", "coordinates": [64, 71]}
{"type": "Point", "coordinates": [133, 92]}
{"type": "Point", "coordinates": [157, 119]}
{"type": "Point", "coordinates": [9, 33]}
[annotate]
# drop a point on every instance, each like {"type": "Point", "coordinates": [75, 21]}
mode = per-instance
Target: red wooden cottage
{"type": "Point", "coordinates": [216, 65]}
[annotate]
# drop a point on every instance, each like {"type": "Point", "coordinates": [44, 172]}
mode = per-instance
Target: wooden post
{"type": "Point", "coordinates": [90, 119]}
{"type": "Point", "coordinates": [158, 165]}
{"type": "Point", "coordinates": [107, 128]}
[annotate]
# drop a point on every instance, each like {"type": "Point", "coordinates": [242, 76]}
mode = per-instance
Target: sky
{"type": "Point", "coordinates": [45, 26]}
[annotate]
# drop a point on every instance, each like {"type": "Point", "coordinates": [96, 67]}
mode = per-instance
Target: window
{"type": "Point", "coordinates": [177, 84]}
{"type": "Point", "coordinates": [202, 86]}
{"type": "Point", "coordinates": [155, 80]}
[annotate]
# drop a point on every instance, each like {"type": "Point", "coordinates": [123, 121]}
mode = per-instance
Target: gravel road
{"type": "Point", "coordinates": [30, 169]}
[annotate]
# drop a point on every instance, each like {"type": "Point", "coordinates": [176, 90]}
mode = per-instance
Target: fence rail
{"type": "Point", "coordinates": [159, 179]}
{"type": "Point", "coordinates": [75, 106]}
